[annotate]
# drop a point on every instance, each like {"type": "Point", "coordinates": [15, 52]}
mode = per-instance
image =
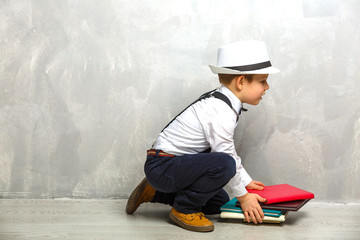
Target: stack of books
{"type": "Point", "coordinates": [280, 199]}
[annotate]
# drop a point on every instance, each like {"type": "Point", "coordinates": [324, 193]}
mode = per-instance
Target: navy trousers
{"type": "Point", "coordinates": [191, 183]}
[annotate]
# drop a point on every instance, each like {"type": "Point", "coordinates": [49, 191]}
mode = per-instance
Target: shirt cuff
{"type": "Point", "coordinates": [238, 191]}
{"type": "Point", "coordinates": [236, 186]}
{"type": "Point", "coordinates": [235, 190]}
{"type": "Point", "coordinates": [245, 177]}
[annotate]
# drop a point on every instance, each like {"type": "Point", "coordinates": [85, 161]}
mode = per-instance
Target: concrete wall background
{"type": "Point", "coordinates": [85, 87]}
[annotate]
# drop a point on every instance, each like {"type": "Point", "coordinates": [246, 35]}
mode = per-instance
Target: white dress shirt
{"type": "Point", "coordinates": [207, 123]}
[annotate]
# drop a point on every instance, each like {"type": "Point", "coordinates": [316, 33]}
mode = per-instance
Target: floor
{"type": "Point", "coordinates": [106, 219]}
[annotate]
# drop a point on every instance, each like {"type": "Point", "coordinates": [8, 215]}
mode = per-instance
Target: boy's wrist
{"type": "Point", "coordinates": [241, 198]}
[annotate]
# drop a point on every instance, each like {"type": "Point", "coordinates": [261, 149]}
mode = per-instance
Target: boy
{"type": "Point", "coordinates": [194, 156]}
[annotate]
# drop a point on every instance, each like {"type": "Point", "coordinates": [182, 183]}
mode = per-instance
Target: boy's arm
{"type": "Point", "coordinates": [220, 134]}
{"type": "Point", "coordinates": [219, 127]}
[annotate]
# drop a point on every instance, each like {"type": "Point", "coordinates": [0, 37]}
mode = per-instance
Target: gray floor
{"type": "Point", "coordinates": [106, 219]}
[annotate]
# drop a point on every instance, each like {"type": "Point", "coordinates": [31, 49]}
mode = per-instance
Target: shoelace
{"type": "Point", "coordinates": [193, 216]}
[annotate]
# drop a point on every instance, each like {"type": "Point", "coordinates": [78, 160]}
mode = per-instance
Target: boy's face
{"type": "Point", "coordinates": [253, 90]}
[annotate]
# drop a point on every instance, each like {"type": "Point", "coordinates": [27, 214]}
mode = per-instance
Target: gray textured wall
{"type": "Point", "coordinates": [87, 85]}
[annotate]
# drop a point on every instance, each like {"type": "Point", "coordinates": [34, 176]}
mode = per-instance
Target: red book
{"type": "Point", "coordinates": [282, 193]}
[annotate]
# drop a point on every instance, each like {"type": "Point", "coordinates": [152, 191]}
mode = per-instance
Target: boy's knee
{"type": "Point", "coordinates": [228, 165]}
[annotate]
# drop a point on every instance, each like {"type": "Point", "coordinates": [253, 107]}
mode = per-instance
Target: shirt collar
{"type": "Point", "coordinates": [235, 102]}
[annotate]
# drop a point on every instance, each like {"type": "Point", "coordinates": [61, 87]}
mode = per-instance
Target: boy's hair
{"type": "Point", "coordinates": [227, 78]}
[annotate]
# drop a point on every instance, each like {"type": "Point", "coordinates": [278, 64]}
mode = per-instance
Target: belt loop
{"type": "Point", "coordinates": [157, 153]}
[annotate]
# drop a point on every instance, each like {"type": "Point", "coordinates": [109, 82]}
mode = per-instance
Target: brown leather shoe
{"type": "Point", "coordinates": [193, 222]}
{"type": "Point", "coordinates": [144, 192]}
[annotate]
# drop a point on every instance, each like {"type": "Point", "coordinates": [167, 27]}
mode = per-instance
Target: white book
{"type": "Point", "coordinates": [267, 219]}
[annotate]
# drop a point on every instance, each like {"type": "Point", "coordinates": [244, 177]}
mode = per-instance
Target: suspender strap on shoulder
{"type": "Point", "coordinates": [221, 96]}
{"type": "Point", "coordinates": [213, 93]}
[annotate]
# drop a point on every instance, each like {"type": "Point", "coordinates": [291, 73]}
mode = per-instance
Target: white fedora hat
{"type": "Point", "coordinates": [243, 57]}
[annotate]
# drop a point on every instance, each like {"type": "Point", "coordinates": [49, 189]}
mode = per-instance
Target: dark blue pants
{"type": "Point", "coordinates": [191, 183]}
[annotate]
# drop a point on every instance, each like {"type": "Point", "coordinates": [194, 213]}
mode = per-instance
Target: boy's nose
{"type": "Point", "coordinates": [267, 87]}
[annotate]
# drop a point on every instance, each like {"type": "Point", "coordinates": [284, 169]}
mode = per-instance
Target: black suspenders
{"type": "Point", "coordinates": [213, 93]}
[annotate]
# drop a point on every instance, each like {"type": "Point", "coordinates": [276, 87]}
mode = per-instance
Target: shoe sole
{"type": "Point", "coordinates": [191, 227]}
{"type": "Point", "coordinates": [134, 197]}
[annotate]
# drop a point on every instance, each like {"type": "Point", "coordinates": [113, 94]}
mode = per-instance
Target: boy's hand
{"type": "Point", "coordinates": [256, 185]}
{"type": "Point", "coordinates": [250, 205]}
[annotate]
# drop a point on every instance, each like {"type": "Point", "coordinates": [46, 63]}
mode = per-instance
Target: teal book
{"type": "Point", "coordinates": [231, 207]}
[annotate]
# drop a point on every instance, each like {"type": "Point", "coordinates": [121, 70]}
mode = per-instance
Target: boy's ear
{"type": "Point", "coordinates": [239, 80]}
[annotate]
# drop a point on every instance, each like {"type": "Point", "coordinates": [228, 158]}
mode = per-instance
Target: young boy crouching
{"type": "Point", "coordinates": [194, 156]}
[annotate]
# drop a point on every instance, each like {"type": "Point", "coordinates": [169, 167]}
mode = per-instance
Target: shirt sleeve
{"type": "Point", "coordinates": [219, 130]}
